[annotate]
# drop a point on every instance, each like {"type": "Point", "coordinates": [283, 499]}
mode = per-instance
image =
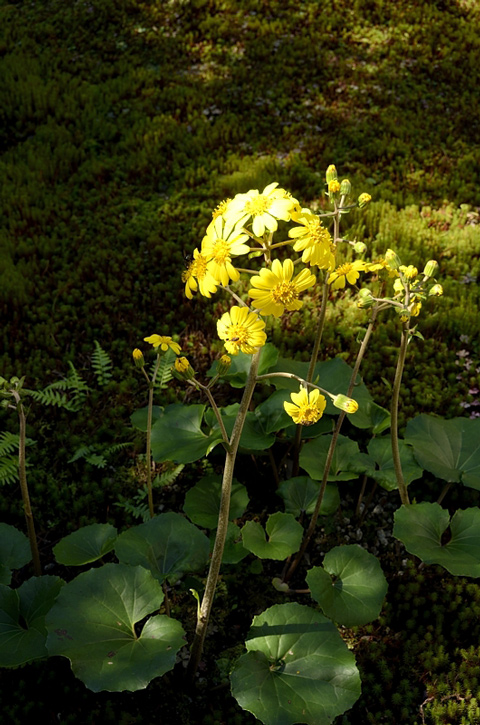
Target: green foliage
{"type": "Point", "coordinates": [101, 364]}
{"type": "Point", "coordinates": [8, 460]}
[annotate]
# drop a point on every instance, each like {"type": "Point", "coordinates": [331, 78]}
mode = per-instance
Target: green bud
{"type": "Point", "coordinates": [182, 369]}
{"type": "Point", "coordinates": [224, 365]}
{"type": "Point", "coordinates": [431, 268]}
{"type": "Point", "coordinates": [436, 290]}
{"type": "Point", "coordinates": [363, 200]}
{"type": "Point", "coordinates": [138, 358]}
{"type": "Point", "coordinates": [365, 298]}
{"type": "Point", "coordinates": [345, 188]}
{"type": "Point", "coordinates": [349, 405]}
{"type": "Point", "coordinates": [360, 247]}
{"type": "Point", "coordinates": [392, 259]}
{"type": "Point", "coordinates": [331, 174]}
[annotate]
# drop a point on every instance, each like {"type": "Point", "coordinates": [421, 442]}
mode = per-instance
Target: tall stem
{"type": "Point", "coordinates": [148, 452]}
{"type": "Point", "coordinates": [223, 517]}
{"type": "Point", "coordinates": [313, 521]}
{"type": "Point", "coordinates": [22, 472]}
{"type": "Point", "coordinates": [402, 488]}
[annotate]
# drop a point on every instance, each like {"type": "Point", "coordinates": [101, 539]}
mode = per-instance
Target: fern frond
{"type": "Point", "coordinates": [81, 452]}
{"type": "Point", "coordinates": [50, 396]}
{"type": "Point", "coordinates": [164, 374]}
{"type": "Point", "coordinates": [9, 442]}
{"type": "Point", "coordinates": [102, 364]}
{"type": "Point", "coordinates": [8, 469]}
{"type": "Point", "coordinates": [168, 477]}
{"type": "Point", "coordinates": [78, 386]}
{"type": "Point", "coordinates": [139, 510]}
{"type": "Point", "coordinates": [117, 447]}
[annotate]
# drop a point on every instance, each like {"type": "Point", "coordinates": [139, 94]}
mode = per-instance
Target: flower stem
{"type": "Point", "coordinates": [148, 452]}
{"type": "Point", "coordinates": [223, 516]}
{"type": "Point", "coordinates": [402, 488]}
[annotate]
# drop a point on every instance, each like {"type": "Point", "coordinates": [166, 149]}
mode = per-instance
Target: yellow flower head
{"type": "Point", "coordinates": [198, 277]}
{"type": "Point", "coordinates": [221, 208]}
{"type": "Point", "coordinates": [163, 342]}
{"type": "Point", "coordinates": [218, 246]}
{"type": "Point", "coordinates": [138, 358]}
{"type": "Point", "coordinates": [242, 331]}
{"type": "Point", "coordinates": [306, 408]}
{"type": "Point", "coordinates": [263, 209]}
{"type": "Point", "coordinates": [364, 199]}
{"type": "Point", "coordinates": [181, 364]}
{"type": "Point", "coordinates": [333, 186]}
{"type": "Point", "coordinates": [409, 272]}
{"type": "Point", "coordinates": [274, 290]}
{"type": "Point", "coordinates": [313, 240]}
{"type": "Point", "coordinates": [348, 272]}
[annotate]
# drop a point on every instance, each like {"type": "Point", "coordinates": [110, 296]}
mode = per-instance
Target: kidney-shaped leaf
{"type": "Point", "coordinates": [450, 449]}
{"type": "Point", "coordinates": [350, 587]}
{"type": "Point", "coordinates": [380, 450]}
{"type": "Point", "coordinates": [284, 537]}
{"type": "Point", "coordinates": [425, 531]}
{"type": "Point", "coordinates": [202, 502]}
{"type": "Point", "coordinates": [177, 435]}
{"type": "Point", "coordinates": [85, 545]}
{"type": "Point", "coordinates": [168, 545]}
{"type": "Point", "coordinates": [234, 550]}
{"type": "Point", "coordinates": [93, 624]}
{"type": "Point", "coordinates": [22, 619]}
{"type": "Point", "coordinates": [297, 668]}
{"type": "Point", "coordinates": [347, 460]}
{"type": "Point", "coordinates": [15, 550]}
{"type": "Point", "coordinates": [300, 495]}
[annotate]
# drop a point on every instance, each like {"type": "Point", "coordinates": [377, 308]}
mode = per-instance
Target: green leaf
{"type": "Point", "coordinates": [380, 450]}
{"type": "Point", "coordinates": [85, 545]}
{"type": "Point", "coordinates": [271, 413]}
{"type": "Point", "coordinates": [297, 669]}
{"type": "Point", "coordinates": [284, 537]}
{"type": "Point", "coordinates": [94, 621]}
{"type": "Point", "coordinates": [347, 460]}
{"type": "Point", "coordinates": [423, 527]}
{"type": "Point", "coordinates": [15, 549]}
{"type": "Point", "coordinates": [240, 367]}
{"type": "Point", "coordinates": [300, 495]}
{"type": "Point", "coordinates": [350, 587]}
{"type": "Point", "coordinates": [22, 619]}
{"type": "Point", "coordinates": [234, 550]}
{"type": "Point", "coordinates": [202, 502]}
{"type": "Point", "coordinates": [253, 437]}
{"type": "Point", "coordinates": [168, 545]}
{"type": "Point", "coordinates": [139, 417]}
{"type": "Point", "coordinates": [450, 449]}
{"type": "Point", "coordinates": [177, 435]}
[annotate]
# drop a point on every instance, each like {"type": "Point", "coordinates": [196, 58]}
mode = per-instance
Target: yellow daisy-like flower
{"type": "Point", "coordinates": [306, 408]}
{"type": "Point", "coordinates": [263, 209]}
{"type": "Point", "coordinates": [313, 240]}
{"type": "Point", "coordinates": [221, 208]}
{"type": "Point", "coordinates": [409, 272]}
{"type": "Point", "coordinates": [274, 290]}
{"type": "Point", "coordinates": [348, 272]}
{"type": "Point", "coordinates": [218, 246]}
{"type": "Point", "coordinates": [242, 331]}
{"type": "Point", "coordinates": [198, 277]}
{"type": "Point", "coordinates": [163, 342]}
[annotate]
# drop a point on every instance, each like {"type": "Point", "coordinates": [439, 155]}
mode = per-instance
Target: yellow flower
{"type": "Point", "coordinates": [348, 272]}
{"type": "Point", "coordinates": [163, 342]}
{"type": "Point", "coordinates": [274, 289]}
{"type": "Point", "coordinates": [242, 330]}
{"type": "Point", "coordinates": [333, 186]}
{"type": "Point", "coordinates": [264, 209]}
{"type": "Point", "coordinates": [409, 272]}
{"type": "Point", "coordinates": [363, 200]}
{"type": "Point", "coordinates": [198, 276]}
{"type": "Point", "coordinates": [218, 246]}
{"type": "Point", "coordinates": [221, 208]}
{"type": "Point", "coordinates": [138, 358]}
{"type": "Point", "coordinates": [313, 240]}
{"type": "Point", "coordinates": [306, 408]}
{"type": "Point", "coordinates": [181, 364]}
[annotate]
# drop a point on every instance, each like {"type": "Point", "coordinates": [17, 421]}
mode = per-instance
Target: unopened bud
{"type": "Point", "coordinates": [224, 365]}
{"type": "Point", "coordinates": [331, 174]}
{"type": "Point", "coordinates": [436, 290]}
{"type": "Point", "coordinates": [138, 358]}
{"type": "Point", "coordinates": [392, 259]}
{"type": "Point", "coordinates": [363, 200]}
{"type": "Point", "coordinates": [360, 247]}
{"type": "Point", "coordinates": [349, 405]}
{"type": "Point", "coordinates": [183, 369]}
{"type": "Point", "coordinates": [365, 298]}
{"type": "Point", "coordinates": [431, 268]}
{"type": "Point", "coordinates": [345, 188]}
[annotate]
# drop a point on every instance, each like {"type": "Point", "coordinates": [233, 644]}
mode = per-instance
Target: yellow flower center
{"type": "Point", "coordinates": [308, 415]}
{"type": "Point", "coordinates": [221, 251]}
{"type": "Point", "coordinates": [317, 232]}
{"type": "Point", "coordinates": [284, 293]}
{"type": "Point", "coordinates": [258, 205]}
{"type": "Point", "coordinates": [344, 269]}
{"type": "Point", "coordinates": [200, 266]}
{"type": "Point", "coordinates": [238, 334]}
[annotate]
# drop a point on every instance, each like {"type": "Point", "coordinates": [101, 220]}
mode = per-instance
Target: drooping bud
{"type": "Point", "coordinates": [363, 200]}
{"type": "Point", "coordinates": [365, 298]}
{"type": "Point", "coordinates": [138, 358]}
{"type": "Point", "coordinates": [345, 188]}
{"type": "Point", "coordinates": [360, 247]}
{"type": "Point", "coordinates": [183, 369]}
{"type": "Point", "coordinates": [431, 268]}
{"type": "Point", "coordinates": [349, 405]}
{"type": "Point", "coordinates": [331, 174]}
{"type": "Point", "coordinates": [392, 259]}
{"type": "Point", "coordinates": [436, 290]}
{"type": "Point", "coordinates": [224, 365]}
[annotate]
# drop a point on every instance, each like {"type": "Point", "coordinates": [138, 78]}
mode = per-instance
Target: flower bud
{"type": "Point", "coordinates": [183, 369]}
{"type": "Point", "coordinates": [349, 405]}
{"type": "Point", "coordinates": [436, 290]}
{"type": "Point", "coordinates": [138, 358]}
{"type": "Point", "coordinates": [365, 298]}
{"type": "Point", "coordinates": [363, 200]}
{"type": "Point", "coordinates": [392, 259]}
{"type": "Point", "coordinates": [431, 268]}
{"type": "Point", "coordinates": [333, 187]}
{"type": "Point", "coordinates": [224, 365]}
{"type": "Point", "coordinates": [360, 247]}
{"type": "Point", "coordinates": [345, 188]}
{"type": "Point", "coordinates": [331, 174]}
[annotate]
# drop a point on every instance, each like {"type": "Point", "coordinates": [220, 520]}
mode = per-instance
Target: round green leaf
{"type": "Point", "coordinates": [300, 495]}
{"type": "Point", "coordinates": [297, 668]}
{"type": "Point", "coordinates": [284, 537]}
{"type": "Point", "coordinates": [168, 545]}
{"type": "Point", "coordinates": [93, 624]}
{"type": "Point", "coordinates": [15, 549]}
{"type": "Point", "coordinates": [313, 457]}
{"type": "Point", "coordinates": [350, 587]}
{"type": "Point", "coordinates": [139, 418]}
{"type": "Point", "coordinates": [234, 550]}
{"type": "Point", "coordinates": [177, 434]}
{"type": "Point", "coordinates": [85, 545]}
{"type": "Point", "coordinates": [422, 527]}
{"type": "Point", "coordinates": [22, 619]}
{"type": "Point", "coordinates": [450, 449]}
{"type": "Point", "coordinates": [202, 502]}
{"type": "Point", "coordinates": [380, 450]}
